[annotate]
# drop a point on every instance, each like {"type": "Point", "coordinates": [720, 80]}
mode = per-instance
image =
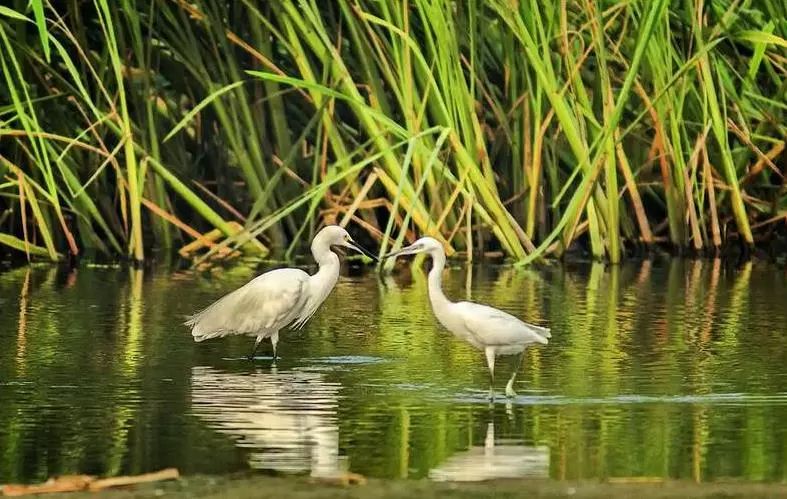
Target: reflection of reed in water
{"type": "Point", "coordinates": [494, 461]}
{"type": "Point", "coordinates": [287, 418]}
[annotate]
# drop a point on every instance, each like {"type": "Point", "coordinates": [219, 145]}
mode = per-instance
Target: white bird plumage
{"type": "Point", "coordinates": [276, 299]}
{"type": "Point", "coordinates": [488, 329]}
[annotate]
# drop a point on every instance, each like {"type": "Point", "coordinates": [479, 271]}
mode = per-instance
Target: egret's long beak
{"type": "Point", "coordinates": [360, 249]}
{"type": "Point", "coordinates": [407, 250]}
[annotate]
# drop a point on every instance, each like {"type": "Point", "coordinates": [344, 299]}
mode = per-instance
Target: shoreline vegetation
{"type": "Point", "coordinates": [529, 129]}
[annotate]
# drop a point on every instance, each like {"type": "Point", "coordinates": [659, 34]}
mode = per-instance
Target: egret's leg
{"type": "Point", "coordinates": [274, 341]}
{"type": "Point", "coordinates": [490, 362]}
{"type": "Point", "coordinates": [256, 346]}
{"type": "Point", "coordinates": [510, 386]}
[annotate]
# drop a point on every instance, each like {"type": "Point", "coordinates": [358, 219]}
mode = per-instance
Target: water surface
{"type": "Point", "coordinates": [666, 369]}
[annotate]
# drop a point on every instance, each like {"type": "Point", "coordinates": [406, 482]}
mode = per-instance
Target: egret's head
{"type": "Point", "coordinates": [423, 245]}
{"type": "Point", "coordinates": [334, 235]}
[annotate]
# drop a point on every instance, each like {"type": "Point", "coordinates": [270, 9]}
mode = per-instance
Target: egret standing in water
{"type": "Point", "coordinates": [486, 328]}
{"type": "Point", "coordinates": [278, 298]}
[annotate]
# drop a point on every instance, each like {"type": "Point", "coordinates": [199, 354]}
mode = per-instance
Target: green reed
{"type": "Point", "coordinates": [530, 127]}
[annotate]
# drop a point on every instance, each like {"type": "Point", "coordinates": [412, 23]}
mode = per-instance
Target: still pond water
{"type": "Point", "coordinates": [667, 369]}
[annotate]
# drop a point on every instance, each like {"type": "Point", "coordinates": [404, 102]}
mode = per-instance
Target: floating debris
{"type": "Point", "coordinates": [77, 483]}
{"type": "Point", "coordinates": [342, 479]}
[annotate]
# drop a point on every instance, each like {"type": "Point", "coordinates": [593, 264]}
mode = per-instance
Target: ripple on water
{"type": "Point", "coordinates": [348, 359]}
{"type": "Point", "coordinates": [720, 399]}
{"type": "Point", "coordinates": [337, 359]}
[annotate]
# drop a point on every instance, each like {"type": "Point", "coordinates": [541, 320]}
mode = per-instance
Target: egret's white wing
{"type": "Point", "coordinates": [318, 292]}
{"type": "Point", "coordinates": [266, 303]}
{"type": "Point", "coordinates": [493, 327]}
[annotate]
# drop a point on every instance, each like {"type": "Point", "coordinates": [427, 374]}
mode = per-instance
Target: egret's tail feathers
{"type": "Point", "coordinates": [542, 331]}
{"type": "Point", "coordinates": [191, 320]}
{"type": "Point", "coordinates": [539, 334]}
{"type": "Point", "coordinates": [198, 337]}
{"type": "Point", "coordinates": [203, 328]}
{"type": "Point", "coordinates": [201, 334]}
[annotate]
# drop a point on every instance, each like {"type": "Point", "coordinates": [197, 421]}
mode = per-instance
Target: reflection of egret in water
{"type": "Point", "coordinates": [286, 418]}
{"type": "Point", "coordinates": [494, 460]}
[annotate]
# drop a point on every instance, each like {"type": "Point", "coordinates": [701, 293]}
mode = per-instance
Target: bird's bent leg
{"type": "Point", "coordinates": [490, 362]}
{"type": "Point", "coordinates": [274, 341]}
{"type": "Point", "coordinates": [510, 386]}
{"type": "Point", "coordinates": [256, 346]}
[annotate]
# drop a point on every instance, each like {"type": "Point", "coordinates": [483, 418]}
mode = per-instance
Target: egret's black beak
{"type": "Point", "coordinates": [360, 249]}
{"type": "Point", "coordinates": [407, 250]}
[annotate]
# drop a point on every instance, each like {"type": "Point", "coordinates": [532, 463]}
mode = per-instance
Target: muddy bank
{"type": "Point", "coordinates": [255, 486]}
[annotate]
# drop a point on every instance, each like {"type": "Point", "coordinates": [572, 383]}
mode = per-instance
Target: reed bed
{"type": "Point", "coordinates": [530, 128]}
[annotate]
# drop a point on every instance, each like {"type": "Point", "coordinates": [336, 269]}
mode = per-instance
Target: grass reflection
{"type": "Point", "coordinates": [668, 369]}
{"type": "Point", "coordinates": [21, 337]}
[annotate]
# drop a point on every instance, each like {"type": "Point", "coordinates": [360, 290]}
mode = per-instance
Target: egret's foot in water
{"type": "Point", "coordinates": [254, 350]}
{"type": "Point", "coordinates": [510, 393]}
{"type": "Point", "coordinates": [491, 394]}
{"type": "Point", "coordinates": [274, 342]}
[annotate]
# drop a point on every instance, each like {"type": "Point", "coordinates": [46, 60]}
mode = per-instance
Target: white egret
{"type": "Point", "coordinates": [276, 299]}
{"type": "Point", "coordinates": [486, 328]}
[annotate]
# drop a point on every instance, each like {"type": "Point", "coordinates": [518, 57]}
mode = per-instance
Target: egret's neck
{"type": "Point", "coordinates": [436, 295]}
{"type": "Point", "coordinates": [328, 262]}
